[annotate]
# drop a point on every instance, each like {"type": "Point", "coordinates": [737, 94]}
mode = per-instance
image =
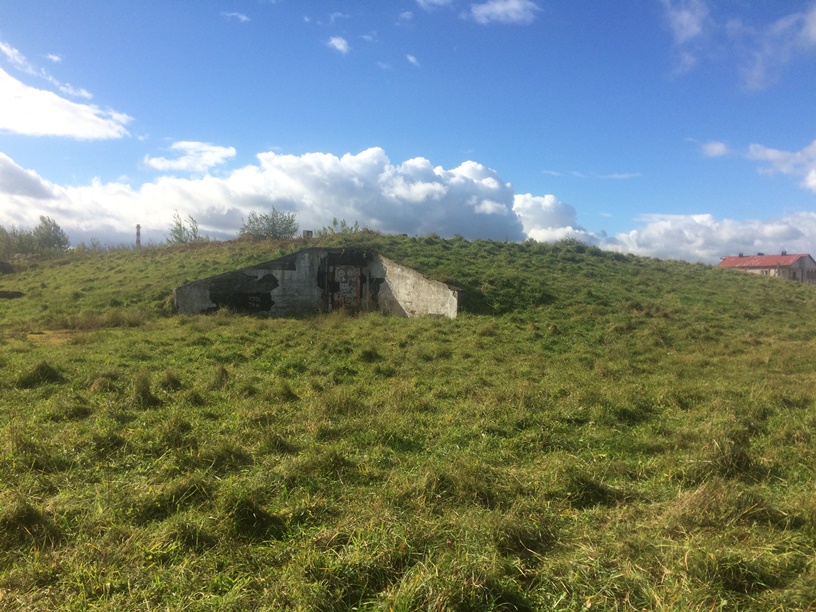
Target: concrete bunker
{"type": "Point", "coordinates": [318, 280]}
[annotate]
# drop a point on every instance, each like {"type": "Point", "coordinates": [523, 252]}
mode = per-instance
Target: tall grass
{"type": "Point", "coordinates": [595, 431]}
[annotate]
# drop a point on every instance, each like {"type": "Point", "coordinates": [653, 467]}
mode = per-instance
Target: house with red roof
{"type": "Point", "coordinates": [798, 267]}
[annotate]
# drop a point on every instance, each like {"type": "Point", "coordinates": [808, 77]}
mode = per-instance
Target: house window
{"type": "Point", "coordinates": [765, 273]}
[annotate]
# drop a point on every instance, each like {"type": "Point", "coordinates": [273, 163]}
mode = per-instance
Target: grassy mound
{"type": "Point", "coordinates": [594, 431]}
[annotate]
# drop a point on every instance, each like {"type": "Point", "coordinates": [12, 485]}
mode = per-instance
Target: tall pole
{"type": "Point", "coordinates": [138, 236]}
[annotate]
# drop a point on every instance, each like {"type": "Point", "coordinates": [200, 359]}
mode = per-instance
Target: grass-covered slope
{"type": "Point", "coordinates": [594, 431]}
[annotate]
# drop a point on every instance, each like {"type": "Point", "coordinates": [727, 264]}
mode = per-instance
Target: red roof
{"type": "Point", "coordinates": [761, 261]}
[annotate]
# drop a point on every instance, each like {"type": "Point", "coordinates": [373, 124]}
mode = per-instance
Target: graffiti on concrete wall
{"type": "Point", "coordinates": [347, 294]}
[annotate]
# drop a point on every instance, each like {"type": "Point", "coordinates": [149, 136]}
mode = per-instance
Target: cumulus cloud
{"type": "Point", "coordinates": [412, 197]}
{"type": "Point", "coordinates": [195, 157]}
{"type": "Point", "coordinates": [36, 112]}
{"type": "Point", "coordinates": [707, 239]}
{"type": "Point", "coordinates": [504, 11]}
{"type": "Point", "coordinates": [546, 218]}
{"type": "Point", "coordinates": [338, 43]}
{"type": "Point", "coordinates": [19, 183]}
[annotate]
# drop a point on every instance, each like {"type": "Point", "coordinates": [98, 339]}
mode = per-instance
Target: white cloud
{"type": "Point", "coordinates": [338, 43]}
{"type": "Point", "coordinates": [504, 11]}
{"type": "Point", "coordinates": [17, 182]}
{"type": "Point", "coordinates": [413, 197]}
{"type": "Point", "coordinates": [36, 112]}
{"type": "Point", "coordinates": [17, 59]}
{"type": "Point", "coordinates": [775, 45]}
{"type": "Point", "coordinates": [196, 157]}
{"type": "Point", "coordinates": [757, 51]}
{"type": "Point", "coordinates": [546, 218]}
{"type": "Point", "coordinates": [412, 60]}
{"type": "Point", "coordinates": [808, 32]}
{"type": "Point", "coordinates": [707, 239]}
{"type": "Point", "coordinates": [239, 17]}
{"type": "Point", "coordinates": [714, 149]}
{"type": "Point", "coordinates": [800, 164]}
{"type": "Point", "coordinates": [686, 18]}
{"type": "Point", "coordinates": [21, 63]}
{"type": "Point", "coordinates": [75, 92]}
{"type": "Point", "coordinates": [429, 4]}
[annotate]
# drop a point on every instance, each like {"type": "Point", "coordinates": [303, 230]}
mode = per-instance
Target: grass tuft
{"type": "Point", "coordinates": [40, 374]}
{"type": "Point", "coordinates": [719, 502]}
{"type": "Point", "coordinates": [21, 523]}
{"type": "Point", "coordinates": [248, 518]}
{"type": "Point", "coordinates": [159, 503]}
{"type": "Point", "coordinates": [142, 393]}
{"type": "Point", "coordinates": [220, 377]}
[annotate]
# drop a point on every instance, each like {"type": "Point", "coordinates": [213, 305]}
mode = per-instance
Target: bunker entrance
{"type": "Point", "coordinates": [343, 280]}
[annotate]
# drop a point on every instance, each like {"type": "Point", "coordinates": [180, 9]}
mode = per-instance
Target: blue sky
{"type": "Point", "coordinates": [668, 128]}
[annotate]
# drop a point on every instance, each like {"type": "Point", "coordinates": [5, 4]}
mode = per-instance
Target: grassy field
{"type": "Point", "coordinates": [594, 431]}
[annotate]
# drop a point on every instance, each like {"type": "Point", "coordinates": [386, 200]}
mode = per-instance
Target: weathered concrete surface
{"type": "Point", "coordinates": [406, 292]}
{"type": "Point", "coordinates": [282, 286]}
{"type": "Point", "coordinates": [320, 280]}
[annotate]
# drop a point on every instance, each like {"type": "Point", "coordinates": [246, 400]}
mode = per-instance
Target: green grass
{"type": "Point", "coordinates": [594, 431]}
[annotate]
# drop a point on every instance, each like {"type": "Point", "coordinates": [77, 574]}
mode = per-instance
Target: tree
{"type": "Point", "coordinates": [6, 243]}
{"type": "Point", "coordinates": [273, 224]}
{"type": "Point", "coordinates": [49, 237]}
{"type": "Point", "coordinates": [182, 232]}
{"type": "Point", "coordinates": [46, 238]}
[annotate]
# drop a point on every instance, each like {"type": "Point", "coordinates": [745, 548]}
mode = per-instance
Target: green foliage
{"type": "Point", "coordinates": [339, 227]}
{"type": "Point", "coordinates": [594, 431]}
{"type": "Point", "coordinates": [47, 238]}
{"type": "Point", "coordinates": [272, 225]}
{"type": "Point", "coordinates": [182, 232]}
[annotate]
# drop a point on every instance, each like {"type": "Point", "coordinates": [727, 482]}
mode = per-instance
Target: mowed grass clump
{"type": "Point", "coordinates": [594, 431]}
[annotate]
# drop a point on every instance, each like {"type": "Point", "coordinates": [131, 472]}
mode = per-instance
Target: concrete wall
{"type": "Point", "coordinates": [301, 283]}
{"type": "Point", "coordinates": [406, 292]}
{"type": "Point", "coordinates": [290, 287]}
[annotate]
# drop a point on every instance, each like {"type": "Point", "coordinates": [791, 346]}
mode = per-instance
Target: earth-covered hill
{"type": "Point", "coordinates": [594, 431]}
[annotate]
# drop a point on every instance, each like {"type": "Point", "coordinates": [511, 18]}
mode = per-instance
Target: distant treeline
{"type": "Point", "coordinates": [45, 238]}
